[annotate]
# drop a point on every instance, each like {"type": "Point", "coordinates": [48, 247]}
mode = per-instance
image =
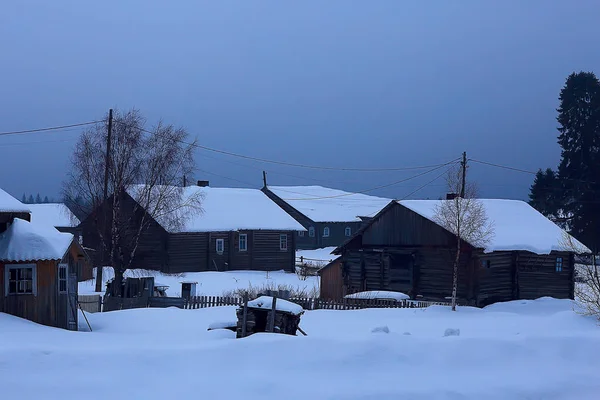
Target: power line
{"type": "Point", "coordinates": [378, 187]}
{"type": "Point", "coordinates": [425, 185]}
{"type": "Point", "coordinates": [264, 160]}
{"type": "Point", "coordinates": [53, 128]}
{"type": "Point", "coordinates": [502, 166]}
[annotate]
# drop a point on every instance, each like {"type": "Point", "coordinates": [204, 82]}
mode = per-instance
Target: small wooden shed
{"type": "Point", "coordinates": [259, 316]}
{"type": "Point", "coordinates": [38, 274]}
{"type": "Point", "coordinates": [332, 280]}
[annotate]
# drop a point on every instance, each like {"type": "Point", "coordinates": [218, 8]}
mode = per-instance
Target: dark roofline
{"type": "Point", "coordinates": [266, 189]}
{"type": "Point", "coordinates": [329, 264]}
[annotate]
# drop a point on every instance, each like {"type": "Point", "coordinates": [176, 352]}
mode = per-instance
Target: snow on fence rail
{"type": "Point", "coordinates": [314, 304]}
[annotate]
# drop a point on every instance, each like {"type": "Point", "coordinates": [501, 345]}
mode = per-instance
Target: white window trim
{"type": "Point", "coordinates": [558, 265]}
{"type": "Point", "coordinates": [66, 267]}
{"type": "Point", "coordinates": [346, 230]}
{"type": "Point", "coordinates": [326, 232]}
{"type": "Point", "coordinates": [311, 231]}
{"type": "Point", "coordinates": [281, 241]}
{"type": "Point", "coordinates": [222, 242]}
{"type": "Point", "coordinates": [245, 236]}
{"type": "Point", "coordinates": [301, 233]}
{"type": "Point", "coordinates": [7, 269]}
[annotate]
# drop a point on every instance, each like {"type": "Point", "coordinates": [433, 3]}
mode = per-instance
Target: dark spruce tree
{"type": "Point", "coordinates": [24, 198]}
{"type": "Point", "coordinates": [545, 195]}
{"type": "Point", "coordinates": [30, 199]}
{"type": "Point", "coordinates": [579, 168]}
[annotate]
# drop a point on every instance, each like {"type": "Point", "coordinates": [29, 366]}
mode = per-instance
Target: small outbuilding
{"type": "Point", "coordinates": [259, 317]}
{"type": "Point", "coordinates": [38, 273]}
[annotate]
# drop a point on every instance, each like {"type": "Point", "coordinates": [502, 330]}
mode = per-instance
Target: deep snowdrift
{"type": "Point", "coordinates": [518, 350]}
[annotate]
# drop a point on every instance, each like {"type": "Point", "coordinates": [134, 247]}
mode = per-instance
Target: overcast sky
{"type": "Point", "coordinates": [360, 84]}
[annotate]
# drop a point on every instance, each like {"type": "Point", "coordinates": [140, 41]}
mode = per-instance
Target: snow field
{"type": "Point", "coordinates": [518, 350]}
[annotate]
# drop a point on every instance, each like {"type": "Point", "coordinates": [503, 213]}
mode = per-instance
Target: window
{"type": "Point", "coordinates": [300, 233]}
{"type": "Point", "coordinates": [326, 231]}
{"type": "Point", "coordinates": [311, 231]}
{"type": "Point", "coordinates": [243, 242]}
{"type": "Point", "coordinates": [62, 278]}
{"type": "Point", "coordinates": [348, 231]}
{"type": "Point", "coordinates": [559, 264]}
{"type": "Point", "coordinates": [282, 242]}
{"type": "Point", "coordinates": [20, 279]}
{"type": "Point", "coordinates": [220, 246]}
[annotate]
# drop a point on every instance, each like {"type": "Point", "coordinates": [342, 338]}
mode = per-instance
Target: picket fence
{"type": "Point", "coordinates": [195, 302]}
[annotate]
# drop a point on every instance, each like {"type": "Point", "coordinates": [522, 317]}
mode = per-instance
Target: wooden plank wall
{"type": "Point", "coordinates": [332, 281]}
{"type": "Point", "coordinates": [187, 252]}
{"type": "Point", "coordinates": [496, 283]}
{"type": "Point", "coordinates": [537, 276]}
{"type": "Point", "coordinates": [268, 256]}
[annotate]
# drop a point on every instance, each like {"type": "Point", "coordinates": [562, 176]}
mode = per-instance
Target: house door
{"type": "Point", "coordinates": [72, 306]}
{"type": "Point", "coordinates": [401, 272]}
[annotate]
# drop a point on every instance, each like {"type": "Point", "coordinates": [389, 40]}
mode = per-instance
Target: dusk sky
{"type": "Point", "coordinates": [348, 84]}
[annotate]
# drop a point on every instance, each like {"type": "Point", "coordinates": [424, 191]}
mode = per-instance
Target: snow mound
{"type": "Point", "coordinates": [378, 295]}
{"type": "Point", "coordinates": [451, 332]}
{"type": "Point", "coordinates": [266, 302]}
{"type": "Point", "coordinates": [381, 329]}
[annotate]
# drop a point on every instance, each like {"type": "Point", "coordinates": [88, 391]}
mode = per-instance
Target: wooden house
{"type": "Point", "coordinates": [403, 249]}
{"type": "Point", "coordinates": [330, 216]}
{"type": "Point", "coordinates": [236, 229]}
{"type": "Point", "coordinates": [60, 216]}
{"type": "Point", "coordinates": [38, 273]}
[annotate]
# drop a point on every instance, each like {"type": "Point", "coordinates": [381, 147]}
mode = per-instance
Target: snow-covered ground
{"type": "Point", "coordinates": [218, 283]}
{"type": "Point", "coordinates": [318, 257]}
{"type": "Point", "coordinates": [518, 350]}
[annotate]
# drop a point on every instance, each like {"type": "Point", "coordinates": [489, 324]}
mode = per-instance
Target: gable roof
{"type": "Point", "coordinates": [10, 204]}
{"type": "Point", "coordinates": [517, 226]}
{"type": "Point", "coordinates": [229, 209]}
{"type": "Point", "coordinates": [321, 204]}
{"type": "Point", "coordinates": [26, 241]}
{"type": "Point", "coordinates": [53, 214]}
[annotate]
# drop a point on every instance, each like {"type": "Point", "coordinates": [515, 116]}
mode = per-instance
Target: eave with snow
{"type": "Point", "coordinates": [217, 229]}
{"type": "Point", "coordinates": [330, 216]}
{"type": "Point", "coordinates": [404, 249]}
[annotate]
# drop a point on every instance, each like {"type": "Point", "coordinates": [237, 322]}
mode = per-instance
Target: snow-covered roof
{"type": "Point", "coordinates": [25, 241]}
{"type": "Point", "coordinates": [322, 204]}
{"type": "Point", "coordinates": [516, 226]}
{"type": "Point", "coordinates": [228, 209]}
{"type": "Point", "coordinates": [378, 295]}
{"type": "Point", "coordinates": [266, 302]}
{"type": "Point", "coordinates": [10, 204]}
{"type": "Point", "coordinates": [53, 214]}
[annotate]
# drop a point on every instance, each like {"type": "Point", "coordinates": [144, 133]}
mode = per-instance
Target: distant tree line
{"type": "Point", "coordinates": [36, 200]}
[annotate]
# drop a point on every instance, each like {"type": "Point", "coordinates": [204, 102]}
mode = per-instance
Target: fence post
{"type": "Point", "coordinates": [245, 314]}
{"type": "Point", "coordinates": [271, 326]}
{"type": "Point", "coordinates": [99, 303]}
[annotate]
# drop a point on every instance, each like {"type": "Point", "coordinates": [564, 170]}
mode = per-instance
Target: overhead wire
{"type": "Point", "coordinates": [53, 128]}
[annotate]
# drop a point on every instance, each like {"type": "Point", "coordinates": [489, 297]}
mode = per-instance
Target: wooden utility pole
{"type": "Point", "coordinates": [105, 197]}
{"type": "Point", "coordinates": [463, 164]}
{"type": "Point", "coordinates": [264, 179]}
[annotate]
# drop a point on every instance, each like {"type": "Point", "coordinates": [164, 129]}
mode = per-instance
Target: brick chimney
{"type": "Point", "coordinates": [451, 196]}
{"type": "Point", "coordinates": [203, 183]}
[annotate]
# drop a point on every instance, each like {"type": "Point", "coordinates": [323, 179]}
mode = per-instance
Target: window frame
{"type": "Point", "coordinates": [245, 236]}
{"type": "Point", "coordinates": [348, 231]}
{"type": "Point", "coordinates": [558, 264]}
{"type": "Point", "coordinates": [9, 267]}
{"type": "Point", "coordinates": [222, 243]}
{"type": "Point", "coordinates": [63, 267]}
{"type": "Point", "coordinates": [300, 233]}
{"type": "Point", "coordinates": [311, 231]}
{"type": "Point", "coordinates": [326, 232]}
{"type": "Point", "coordinates": [283, 238]}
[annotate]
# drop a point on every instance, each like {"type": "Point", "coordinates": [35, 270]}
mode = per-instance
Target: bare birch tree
{"type": "Point", "coordinates": [587, 277]}
{"type": "Point", "coordinates": [465, 217]}
{"type": "Point", "coordinates": [145, 164]}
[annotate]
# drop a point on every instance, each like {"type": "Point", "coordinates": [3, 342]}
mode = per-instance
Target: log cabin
{"type": "Point", "coordinates": [403, 249]}
{"type": "Point", "coordinates": [234, 229]}
{"type": "Point", "coordinates": [329, 216]}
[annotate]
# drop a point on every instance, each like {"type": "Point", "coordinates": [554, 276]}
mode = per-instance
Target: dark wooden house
{"type": "Point", "coordinates": [403, 249]}
{"type": "Point", "coordinates": [330, 216]}
{"type": "Point", "coordinates": [235, 229]}
{"type": "Point", "coordinates": [39, 273]}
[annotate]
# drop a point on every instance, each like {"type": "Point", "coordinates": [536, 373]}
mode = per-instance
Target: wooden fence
{"type": "Point", "coordinates": [314, 304]}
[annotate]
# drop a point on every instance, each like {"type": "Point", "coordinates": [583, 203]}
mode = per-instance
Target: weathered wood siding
{"type": "Point", "coordinates": [537, 275]}
{"type": "Point", "coordinates": [267, 255]}
{"type": "Point", "coordinates": [496, 274]}
{"type": "Point", "coordinates": [187, 252]}
{"type": "Point", "coordinates": [332, 281]}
